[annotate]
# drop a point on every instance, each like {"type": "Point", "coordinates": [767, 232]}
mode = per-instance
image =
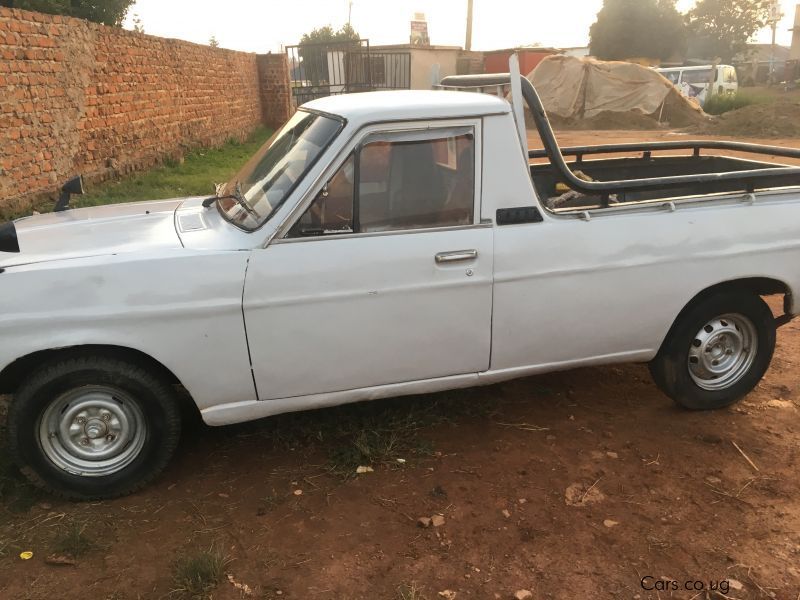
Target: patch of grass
{"type": "Point", "coordinates": [195, 175]}
{"type": "Point", "coordinates": [409, 591]}
{"type": "Point", "coordinates": [721, 103]}
{"type": "Point", "coordinates": [72, 541]}
{"type": "Point", "coordinates": [373, 433]}
{"type": "Point", "coordinates": [438, 492]}
{"type": "Point", "coordinates": [196, 574]}
{"type": "Point", "coordinates": [269, 502]}
{"type": "Point", "coordinates": [17, 495]}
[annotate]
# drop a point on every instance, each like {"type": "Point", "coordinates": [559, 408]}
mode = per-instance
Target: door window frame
{"type": "Point", "coordinates": [355, 145]}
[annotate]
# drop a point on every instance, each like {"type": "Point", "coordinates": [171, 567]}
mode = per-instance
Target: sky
{"type": "Point", "coordinates": [269, 25]}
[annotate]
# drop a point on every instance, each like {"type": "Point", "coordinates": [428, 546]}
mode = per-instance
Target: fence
{"type": "Point", "coordinates": [327, 69]}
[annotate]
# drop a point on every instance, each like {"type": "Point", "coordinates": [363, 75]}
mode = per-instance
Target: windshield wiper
{"type": "Point", "coordinates": [211, 199]}
{"type": "Point", "coordinates": [237, 196]}
{"type": "Point", "coordinates": [239, 200]}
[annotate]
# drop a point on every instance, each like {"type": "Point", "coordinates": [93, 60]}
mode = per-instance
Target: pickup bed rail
{"type": "Point", "coordinates": [750, 180]}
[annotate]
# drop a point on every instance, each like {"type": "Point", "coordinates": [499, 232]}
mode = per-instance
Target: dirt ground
{"type": "Point", "coordinates": [583, 484]}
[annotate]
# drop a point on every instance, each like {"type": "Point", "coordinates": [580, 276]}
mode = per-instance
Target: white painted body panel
{"type": "Point", "coordinates": [328, 315]}
{"type": "Point", "coordinates": [614, 285]}
{"type": "Point", "coordinates": [205, 229]}
{"type": "Point", "coordinates": [347, 318]}
{"type": "Point", "coordinates": [408, 105]}
{"type": "Point", "coordinates": [163, 304]}
{"type": "Point", "coordinates": [97, 231]}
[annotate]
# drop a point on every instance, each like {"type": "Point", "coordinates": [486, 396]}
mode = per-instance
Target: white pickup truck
{"type": "Point", "coordinates": [385, 244]}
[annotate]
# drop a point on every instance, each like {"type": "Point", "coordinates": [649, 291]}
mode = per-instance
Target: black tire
{"type": "Point", "coordinates": [156, 407]}
{"type": "Point", "coordinates": [671, 368]}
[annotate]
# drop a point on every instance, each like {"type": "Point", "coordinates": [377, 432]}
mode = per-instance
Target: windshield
{"type": "Point", "coordinates": [251, 197]}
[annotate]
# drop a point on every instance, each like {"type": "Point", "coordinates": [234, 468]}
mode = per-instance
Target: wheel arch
{"type": "Point", "coordinates": [16, 372]}
{"type": "Point", "coordinates": [759, 286]}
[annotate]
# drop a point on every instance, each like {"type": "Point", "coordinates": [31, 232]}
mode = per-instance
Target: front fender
{"type": "Point", "coordinates": [182, 308]}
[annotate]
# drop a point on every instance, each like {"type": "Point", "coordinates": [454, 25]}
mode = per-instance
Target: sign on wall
{"type": "Point", "coordinates": [419, 31]}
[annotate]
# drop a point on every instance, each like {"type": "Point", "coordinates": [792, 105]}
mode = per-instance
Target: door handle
{"type": "Point", "coordinates": [456, 256]}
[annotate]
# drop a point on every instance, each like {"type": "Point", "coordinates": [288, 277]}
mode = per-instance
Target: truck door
{"type": "Point", "coordinates": [385, 278]}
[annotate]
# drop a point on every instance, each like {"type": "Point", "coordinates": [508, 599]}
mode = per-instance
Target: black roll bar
{"type": "Point", "coordinates": [748, 179]}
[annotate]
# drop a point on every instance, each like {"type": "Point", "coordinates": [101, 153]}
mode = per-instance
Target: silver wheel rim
{"type": "Point", "coordinates": [92, 431]}
{"type": "Point", "coordinates": [723, 351]}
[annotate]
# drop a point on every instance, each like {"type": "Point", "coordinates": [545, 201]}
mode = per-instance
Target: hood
{"type": "Point", "coordinates": [96, 231]}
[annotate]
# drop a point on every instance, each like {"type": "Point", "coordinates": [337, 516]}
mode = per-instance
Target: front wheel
{"type": "Point", "coordinates": [717, 351]}
{"type": "Point", "coordinates": [93, 427]}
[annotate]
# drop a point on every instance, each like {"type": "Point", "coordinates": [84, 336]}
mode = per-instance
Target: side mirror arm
{"type": "Point", "coordinates": [73, 186]}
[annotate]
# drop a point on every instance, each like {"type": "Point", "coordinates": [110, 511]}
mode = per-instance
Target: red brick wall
{"type": "Point", "coordinates": [276, 90]}
{"type": "Point", "coordinates": [76, 97]}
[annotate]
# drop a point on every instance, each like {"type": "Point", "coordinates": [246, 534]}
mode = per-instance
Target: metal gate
{"type": "Point", "coordinates": [327, 69]}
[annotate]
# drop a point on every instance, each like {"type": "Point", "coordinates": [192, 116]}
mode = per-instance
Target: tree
{"type": "Point", "coordinates": [721, 28]}
{"type": "Point", "coordinates": [637, 28]}
{"type": "Point", "coordinates": [213, 42]}
{"type": "Point", "coordinates": [327, 34]}
{"type": "Point", "coordinates": [107, 12]}
{"type": "Point", "coordinates": [315, 57]}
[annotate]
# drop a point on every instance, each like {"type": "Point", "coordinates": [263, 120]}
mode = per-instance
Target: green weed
{"type": "Point", "coordinates": [72, 541]}
{"type": "Point", "coordinates": [722, 103]}
{"type": "Point", "coordinates": [196, 574]}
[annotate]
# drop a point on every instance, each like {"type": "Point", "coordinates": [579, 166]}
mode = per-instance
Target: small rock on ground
{"type": "Point", "coordinates": [735, 585]}
{"type": "Point", "coordinates": [579, 494]}
{"type": "Point", "coordinates": [609, 523]}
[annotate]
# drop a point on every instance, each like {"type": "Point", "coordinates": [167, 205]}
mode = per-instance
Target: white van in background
{"type": "Point", "coordinates": [695, 82]}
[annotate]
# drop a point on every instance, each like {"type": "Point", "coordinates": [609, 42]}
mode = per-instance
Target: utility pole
{"type": "Point", "coordinates": [774, 17]}
{"type": "Point", "coordinates": [350, 12]}
{"type": "Point", "coordinates": [468, 43]}
{"type": "Point", "coordinates": [772, 55]}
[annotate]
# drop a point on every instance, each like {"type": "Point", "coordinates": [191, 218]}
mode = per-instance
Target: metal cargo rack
{"type": "Point", "coordinates": [749, 180]}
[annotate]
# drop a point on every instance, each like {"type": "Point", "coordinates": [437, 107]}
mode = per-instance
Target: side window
{"type": "Point", "coordinates": [699, 77]}
{"type": "Point", "coordinates": [673, 76]}
{"type": "Point", "coordinates": [417, 184]}
{"type": "Point", "coordinates": [332, 209]}
{"type": "Point", "coordinates": [402, 183]}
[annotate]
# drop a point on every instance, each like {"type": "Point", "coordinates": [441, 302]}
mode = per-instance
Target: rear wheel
{"type": "Point", "coordinates": [93, 427]}
{"type": "Point", "coordinates": [717, 351]}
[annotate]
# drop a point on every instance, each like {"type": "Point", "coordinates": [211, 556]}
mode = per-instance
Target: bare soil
{"type": "Point", "coordinates": [608, 121]}
{"type": "Point", "coordinates": [779, 118]}
{"type": "Point", "coordinates": [778, 115]}
{"type": "Point", "coordinates": [579, 484]}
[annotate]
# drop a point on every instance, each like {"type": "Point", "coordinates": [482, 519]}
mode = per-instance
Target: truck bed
{"type": "Point", "coordinates": [546, 177]}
